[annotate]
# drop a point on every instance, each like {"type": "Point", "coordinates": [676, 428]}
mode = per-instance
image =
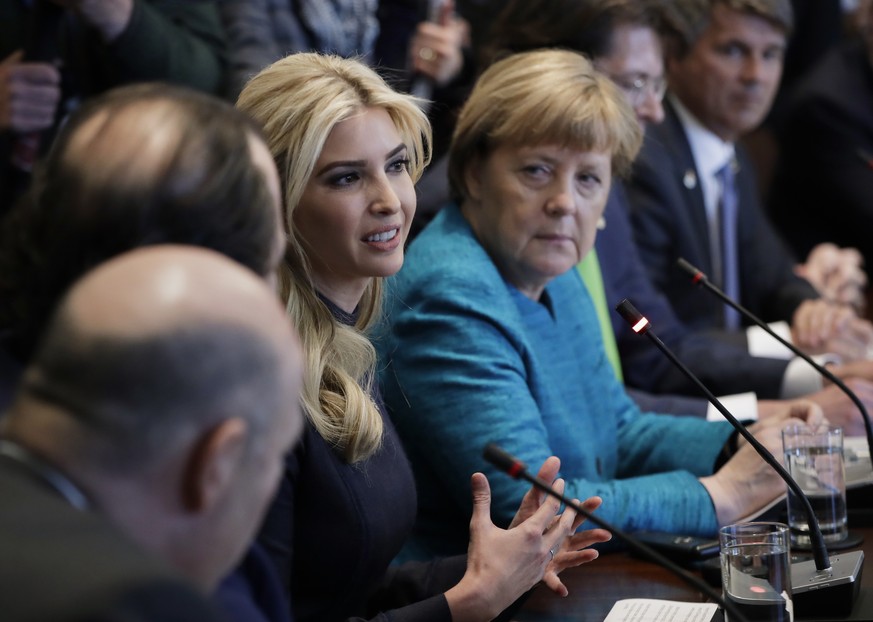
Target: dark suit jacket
{"type": "Point", "coordinates": [823, 186]}
{"type": "Point", "coordinates": [669, 222]}
{"type": "Point", "coordinates": [362, 513]}
{"type": "Point", "coordinates": [252, 592]}
{"type": "Point", "coordinates": [61, 564]}
{"type": "Point", "coordinates": [724, 367]}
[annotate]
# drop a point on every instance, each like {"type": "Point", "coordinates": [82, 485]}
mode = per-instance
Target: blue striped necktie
{"type": "Point", "coordinates": [730, 269]}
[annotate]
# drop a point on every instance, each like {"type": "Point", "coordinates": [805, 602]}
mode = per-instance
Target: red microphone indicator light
{"type": "Point", "coordinates": [504, 461]}
{"type": "Point", "coordinates": [697, 275]}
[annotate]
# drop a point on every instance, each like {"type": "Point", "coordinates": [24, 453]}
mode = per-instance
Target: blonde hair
{"type": "Point", "coordinates": [543, 97]}
{"type": "Point", "coordinates": [298, 101]}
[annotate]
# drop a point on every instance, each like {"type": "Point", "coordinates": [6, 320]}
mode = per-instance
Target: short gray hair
{"type": "Point", "coordinates": [132, 398]}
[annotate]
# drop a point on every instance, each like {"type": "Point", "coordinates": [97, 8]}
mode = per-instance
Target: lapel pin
{"type": "Point", "coordinates": [690, 179]}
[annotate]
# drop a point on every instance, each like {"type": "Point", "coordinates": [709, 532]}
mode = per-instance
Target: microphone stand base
{"type": "Point", "coordinates": [831, 593]}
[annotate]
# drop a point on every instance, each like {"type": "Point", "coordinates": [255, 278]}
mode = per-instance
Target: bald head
{"type": "Point", "coordinates": [145, 132]}
{"type": "Point", "coordinates": [167, 389]}
{"type": "Point", "coordinates": [153, 135]}
{"type": "Point", "coordinates": [153, 347]}
{"type": "Point", "coordinates": [160, 290]}
{"type": "Point", "coordinates": [137, 166]}
{"type": "Point", "coordinates": [161, 164]}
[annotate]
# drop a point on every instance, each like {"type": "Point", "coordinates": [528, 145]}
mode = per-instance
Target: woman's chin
{"type": "Point", "coordinates": [389, 267]}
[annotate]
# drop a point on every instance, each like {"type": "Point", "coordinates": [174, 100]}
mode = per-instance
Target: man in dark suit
{"type": "Point", "coordinates": [656, 384]}
{"type": "Point", "coordinates": [631, 55]}
{"type": "Point", "coordinates": [145, 440]}
{"type": "Point", "coordinates": [823, 186]}
{"type": "Point", "coordinates": [693, 192]}
{"type": "Point", "coordinates": [724, 364]}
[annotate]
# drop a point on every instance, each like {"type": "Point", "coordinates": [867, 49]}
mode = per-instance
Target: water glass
{"type": "Point", "coordinates": [756, 570]}
{"type": "Point", "coordinates": [814, 458]}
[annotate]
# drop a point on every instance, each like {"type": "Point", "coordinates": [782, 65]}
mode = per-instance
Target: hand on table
{"type": "Point", "coordinates": [817, 322]}
{"type": "Point", "coordinates": [839, 409]}
{"type": "Point", "coordinates": [854, 342]}
{"type": "Point", "coordinates": [746, 483]}
{"type": "Point", "coordinates": [837, 273]}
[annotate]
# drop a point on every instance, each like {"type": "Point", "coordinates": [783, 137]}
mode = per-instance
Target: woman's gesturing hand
{"type": "Point", "coordinates": [502, 564]}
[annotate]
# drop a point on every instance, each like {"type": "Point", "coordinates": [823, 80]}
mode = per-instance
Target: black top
{"type": "Point", "coordinates": [334, 528]}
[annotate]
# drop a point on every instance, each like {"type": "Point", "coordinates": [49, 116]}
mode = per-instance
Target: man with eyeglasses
{"type": "Point", "coordinates": [634, 64]}
{"type": "Point", "coordinates": [641, 88]}
{"type": "Point", "coordinates": [623, 39]}
{"type": "Point", "coordinates": [693, 193]}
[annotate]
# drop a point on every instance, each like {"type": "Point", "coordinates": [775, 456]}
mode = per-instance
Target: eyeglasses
{"type": "Point", "coordinates": [637, 86]}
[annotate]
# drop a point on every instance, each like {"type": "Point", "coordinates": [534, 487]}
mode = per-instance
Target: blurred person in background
{"type": "Point", "coordinates": [55, 54]}
{"type": "Point", "coordinates": [145, 439]}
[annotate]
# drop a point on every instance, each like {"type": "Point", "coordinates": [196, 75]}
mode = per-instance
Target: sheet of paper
{"type": "Point", "coordinates": [653, 610]}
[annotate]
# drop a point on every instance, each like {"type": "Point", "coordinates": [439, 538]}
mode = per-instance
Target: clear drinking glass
{"type": "Point", "coordinates": [756, 570]}
{"type": "Point", "coordinates": [814, 458]}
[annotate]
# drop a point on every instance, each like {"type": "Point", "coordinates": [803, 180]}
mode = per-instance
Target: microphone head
{"type": "Point", "coordinates": [694, 272]}
{"type": "Point", "coordinates": [504, 461]}
{"type": "Point", "coordinates": [637, 320]}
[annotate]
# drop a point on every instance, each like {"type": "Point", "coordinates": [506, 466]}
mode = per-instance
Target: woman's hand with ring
{"type": "Point", "coordinates": [573, 550]}
{"type": "Point", "coordinates": [570, 551]}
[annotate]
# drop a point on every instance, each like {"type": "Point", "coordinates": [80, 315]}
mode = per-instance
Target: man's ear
{"type": "Point", "coordinates": [213, 462]}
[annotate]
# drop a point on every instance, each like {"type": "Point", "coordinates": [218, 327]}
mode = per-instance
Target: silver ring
{"type": "Point", "coordinates": [552, 553]}
{"type": "Point", "coordinates": [426, 54]}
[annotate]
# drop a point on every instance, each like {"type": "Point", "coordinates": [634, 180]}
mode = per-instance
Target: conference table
{"type": "Point", "coordinates": [595, 587]}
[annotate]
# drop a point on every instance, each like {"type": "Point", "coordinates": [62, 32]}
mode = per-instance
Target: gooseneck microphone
{"type": "Point", "coordinates": [699, 278]}
{"type": "Point", "coordinates": [641, 326]}
{"type": "Point", "coordinates": [516, 469]}
{"type": "Point", "coordinates": [839, 576]}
